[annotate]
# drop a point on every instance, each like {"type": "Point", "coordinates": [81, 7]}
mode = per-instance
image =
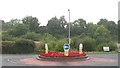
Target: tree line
{"type": "Point", "coordinates": [93, 36]}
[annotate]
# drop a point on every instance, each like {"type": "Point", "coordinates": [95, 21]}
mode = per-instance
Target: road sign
{"type": "Point", "coordinates": [66, 46]}
{"type": "Point", "coordinates": [106, 48]}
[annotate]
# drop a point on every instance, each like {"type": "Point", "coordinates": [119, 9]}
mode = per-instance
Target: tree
{"type": "Point", "coordinates": [32, 36]}
{"type": "Point", "coordinates": [102, 37]}
{"type": "Point", "coordinates": [56, 27]}
{"type": "Point", "coordinates": [63, 22]}
{"type": "Point", "coordinates": [101, 34]}
{"type": "Point", "coordinates": [10, 25]}
{"type": "Point", "coordinates": [78, 27]}
{"type": "Point", "coordinates": [53, 23]}
{"type": "Point", "coordinates": [103, 22]}
{"type": "Point", "coordinates": [32, 22]}
{"type": "Point", "coordinates": [111, 26]}
{"type": "Point", "coordinates": [42, 30]}
{"type": "Point", "coordinates": [14, 22]}
{"type": "Point", "coordinates": [89, 44]}
{"type": "Point", "coordinates": [2, 24]}
{"type": "Point", "coordinates": [19, 30]}
{"type": "Point", "coordinates": [90, 29]}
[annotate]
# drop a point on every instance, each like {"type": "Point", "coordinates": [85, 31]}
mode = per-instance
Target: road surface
{"type": "Point", "coordinates": [30, 60]}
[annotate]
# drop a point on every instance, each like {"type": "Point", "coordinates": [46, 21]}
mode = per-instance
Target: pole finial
{"type": "Point", "coordinates": [68, 9]}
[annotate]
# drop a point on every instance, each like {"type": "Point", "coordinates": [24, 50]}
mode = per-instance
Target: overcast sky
{"type": "Point", "coordinates": [90, 10]}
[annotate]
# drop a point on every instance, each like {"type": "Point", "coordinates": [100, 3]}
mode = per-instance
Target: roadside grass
{"type": "Point", "coordinates": [111, 52]}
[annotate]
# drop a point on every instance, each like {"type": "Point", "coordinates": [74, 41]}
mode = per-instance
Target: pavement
{"type": "Point", "coordinates": [30, 60]}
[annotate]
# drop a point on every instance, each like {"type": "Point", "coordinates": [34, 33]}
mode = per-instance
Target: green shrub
{"type": "Point", "coordinates": [8, 47]}
{"type": "Point", "coordinates": [88, 44]}
{"type": "Point", "coordinates": [24, 46]}
{"type": "Point", "coordinates": [60, 44]}
{"type": "Point", "coordinates": [47, 37]}
{"type": "Point", "coordinates": [32, 36]}
{"type": "Point", "coordinates": [112, 46]}
{"type": "Point", "coordinates": [75, 42]}
{"type": "Point", "coordinates": [19, 30]}
{"type": "Point", "coordinates": [7, 37]}
{"type": "Point", "coordinates": [51, 45]}
{"type": "Point", "coordinates": [100, 47]}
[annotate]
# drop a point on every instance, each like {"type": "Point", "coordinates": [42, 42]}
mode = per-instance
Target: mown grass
{"type": "Point", "coordinates": [111, 52]}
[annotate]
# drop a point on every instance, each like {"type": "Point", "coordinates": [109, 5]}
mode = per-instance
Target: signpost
{"type": "Point", "coordinates": [66, 49]}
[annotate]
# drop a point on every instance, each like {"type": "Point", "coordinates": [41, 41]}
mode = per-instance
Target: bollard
{"type": "Point", "coordinates": [66, 52]}
{"type": "Point", "coordinates": [46, 49]}
{"type": "Point", "coordinates": [81, 48]}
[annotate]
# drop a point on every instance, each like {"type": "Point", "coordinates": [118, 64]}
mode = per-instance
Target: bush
{"type": "Point", "coordinates": [7, 47]}
{"type": "Point", "coordinates": [60, 44]}
{"type": "Point", "coordinates": [32, 36]}
{"type": "Point", "coordinates": [88, 44]}
{"type": "Point", "coordinates": [75, 42]}
{"type": "Point", "coordinates": [7, 37]}
{"type": "Point", "coordinates": [100, 47]}
{"type": "Point", "coordinates": [23, 46]}
{"type": "Point", "coordinates": [112, 46]}
{"type": "Point", "coordinates": [19, 30]}
{"type": "Point", "coordinates": [52, 45]}
{"type": "Point", "coordinates": [47, 37]}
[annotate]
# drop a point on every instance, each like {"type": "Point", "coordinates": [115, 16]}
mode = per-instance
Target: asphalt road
{"type": "Point", "coordinates": [30, 60]}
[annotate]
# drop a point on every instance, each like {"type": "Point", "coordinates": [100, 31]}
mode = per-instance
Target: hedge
{"type": "Point", "coordinates": [7, 47]}
{"type": "Point", "coordinates": [20, 46]}
{"type": "Point", "coordinates": [23, 46]}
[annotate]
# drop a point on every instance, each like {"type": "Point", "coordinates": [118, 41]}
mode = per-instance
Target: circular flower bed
{"type": "Point", "coordinates": [60, 54]}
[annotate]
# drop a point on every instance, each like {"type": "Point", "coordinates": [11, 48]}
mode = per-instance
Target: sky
{"type": "Point", "coordinates": [44, 10]}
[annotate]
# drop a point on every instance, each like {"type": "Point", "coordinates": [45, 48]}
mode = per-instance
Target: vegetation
{"type": "Point", "coordinates": [55, 34]}
{"type": "Point", "coordinates": [20, 46]}
{"type": "Point", "coordinates": [7, 47]}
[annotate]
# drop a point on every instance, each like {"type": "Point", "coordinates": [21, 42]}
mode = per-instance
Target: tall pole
{"type": "Point", "coordinates": [69, 27]}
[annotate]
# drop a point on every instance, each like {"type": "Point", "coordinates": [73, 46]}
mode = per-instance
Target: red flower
{"type": "Point", "coordinates": [60, 54]}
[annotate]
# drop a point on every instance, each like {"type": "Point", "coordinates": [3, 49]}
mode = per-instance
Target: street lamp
{"type": "Point", "coordinates": [69, 27]}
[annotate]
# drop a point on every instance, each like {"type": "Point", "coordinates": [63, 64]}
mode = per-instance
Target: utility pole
{"type": "Point", "coordinates": [69, 27]}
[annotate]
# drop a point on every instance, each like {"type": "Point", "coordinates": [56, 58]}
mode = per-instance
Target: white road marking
{"type": "Point", "coordinates": [11, 61]}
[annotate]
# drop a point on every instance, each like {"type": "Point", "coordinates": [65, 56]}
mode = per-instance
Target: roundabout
{"type": "Point", "coordinates": [30, 60]}
{"type": "Point", "coordinates": [65, 58]}
{"type": "Point", "coordinates": [58, 56]}
{"type": "Point", "coordinates": [93, 61]}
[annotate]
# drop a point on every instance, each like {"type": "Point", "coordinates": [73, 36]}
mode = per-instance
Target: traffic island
{"type": "Point", "coordinates": [59, 56]}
